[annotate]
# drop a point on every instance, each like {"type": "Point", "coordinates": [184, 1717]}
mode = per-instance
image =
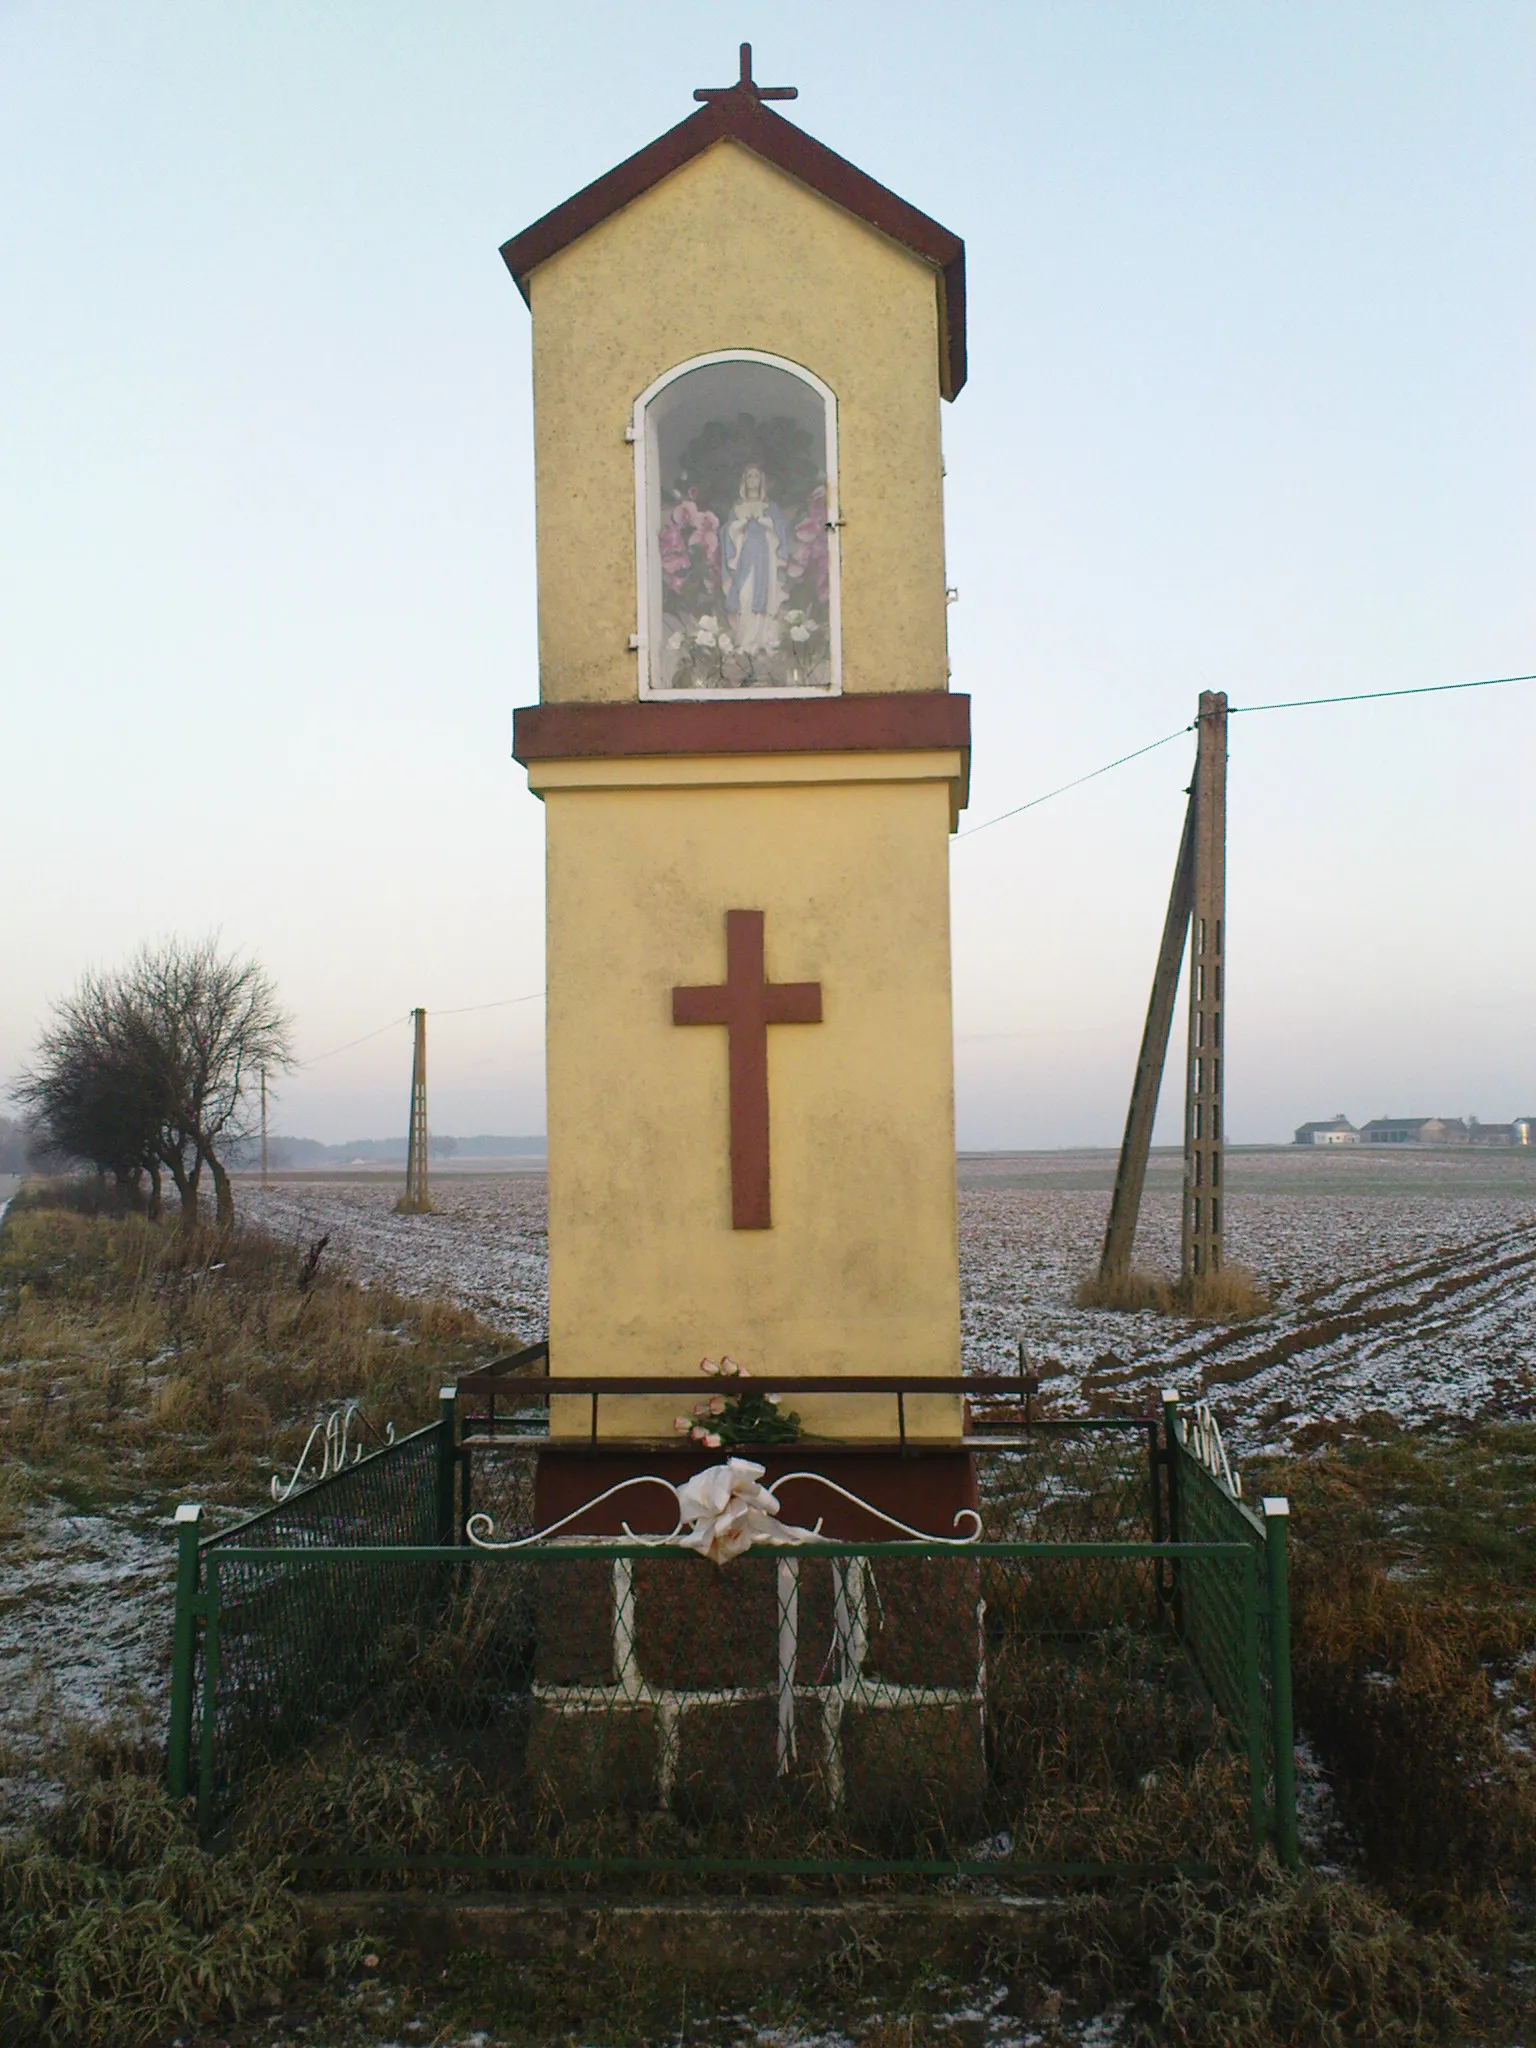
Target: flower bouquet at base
{"type": "Point", "coordinates": [724, 1421]}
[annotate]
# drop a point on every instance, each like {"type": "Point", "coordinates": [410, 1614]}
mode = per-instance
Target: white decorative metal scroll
{"type": "Point", "coordinates": [723, 1511]}
{"type": "Point", "coordinates": [1202, 1439]}
{"type": "Point", "coordinates": [334, 1433]}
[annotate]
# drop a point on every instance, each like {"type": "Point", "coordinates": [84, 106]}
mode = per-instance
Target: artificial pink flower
{"type": "Point", "coordinates": [688, 531]}
{"type": "Point", "coordinates": [717, 1404]}
{"type": "Point", "coordinates": [708, 1365]}
{"type": "Point", "coordinates": [808, 555]}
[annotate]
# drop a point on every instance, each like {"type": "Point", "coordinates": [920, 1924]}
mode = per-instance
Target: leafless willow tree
{"type": "Point", "coordinates": [155, 1068]}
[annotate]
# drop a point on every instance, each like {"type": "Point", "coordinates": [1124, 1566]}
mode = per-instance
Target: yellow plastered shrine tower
{"type": "Point", "coordinates": [751, 762]}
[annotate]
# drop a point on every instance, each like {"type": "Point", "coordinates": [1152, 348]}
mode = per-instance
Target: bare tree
{"type": "Point", "coordinates": [90, 1089]}
{"type": "Point", "coordinates": [214, 1024]}
{"type": "Point", "coordinates": [153, 1067]}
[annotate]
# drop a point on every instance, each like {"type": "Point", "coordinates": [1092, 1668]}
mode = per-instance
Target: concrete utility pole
{"type": "Point", "coordinates": [1125, 1203]}
{"type": "Point", "coordinates": [416, 1201]}
{"type": "Point", "coordinates": [263, 1126]}
{"type": "Point", "coordinates": [1201, 1241]}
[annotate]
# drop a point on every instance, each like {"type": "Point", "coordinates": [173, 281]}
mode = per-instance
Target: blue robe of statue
{"type": "Point", "coordinates": [754, 580]}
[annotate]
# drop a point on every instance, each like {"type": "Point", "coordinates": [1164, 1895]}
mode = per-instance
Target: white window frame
{"type": "Point", "coordinates": [643, 434]}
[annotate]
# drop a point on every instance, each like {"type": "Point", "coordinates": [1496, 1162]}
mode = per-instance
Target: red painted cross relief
{"type": "Point", "coordinates": [746, 1003]}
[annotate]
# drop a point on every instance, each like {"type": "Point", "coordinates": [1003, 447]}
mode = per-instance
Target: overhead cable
{"type": "Point", "coordinates": [390, 1026]}
{"type": "Point", "coordinates": [1371, 696]}
{"type": "Point", "coordinates": [1076, 783]}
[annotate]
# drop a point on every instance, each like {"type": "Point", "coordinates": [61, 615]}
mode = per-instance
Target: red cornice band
{"type": "Point", "coordinates": [895, 722]}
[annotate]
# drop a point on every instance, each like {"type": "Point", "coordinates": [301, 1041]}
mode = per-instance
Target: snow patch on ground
{"type": "Point", "coordinates": [1404, 1287]}
{"type": "Point", "coordinates": [85, 1622]}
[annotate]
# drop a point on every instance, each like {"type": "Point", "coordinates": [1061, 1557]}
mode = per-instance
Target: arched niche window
{"type": "Point", "coordinates": [736, 530]}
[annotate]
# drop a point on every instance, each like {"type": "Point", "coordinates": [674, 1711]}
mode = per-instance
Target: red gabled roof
{"type": "Point", "coordinates": [739, 116]}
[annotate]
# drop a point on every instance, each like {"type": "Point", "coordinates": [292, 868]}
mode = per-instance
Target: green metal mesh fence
{"type": "Point", "coordinates": [391, 1496]}
{"type": "Point", "coordinates": [604, 1707]}
{"type": "Point", "coordinates": [1224, 1617]}
{"type": "Point", "coordinates": [1085, 1481]}
{"type": "Point", "coordinates": [1072, 1695]}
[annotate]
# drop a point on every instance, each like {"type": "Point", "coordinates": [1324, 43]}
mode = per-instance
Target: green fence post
{"type": "Point", "coordinates": [1276, 1553]}
{"type": "Point", "coordinates": [1175, 1506]}
{"type": "Point", "coordinates": [209, 1725]}
{"type": "Point", "coordinates": [183, 1653]}
{"type": "Point", "coordinates": [1253, 1686]}
{"type": "Point", "coordinates": [447, 1463]}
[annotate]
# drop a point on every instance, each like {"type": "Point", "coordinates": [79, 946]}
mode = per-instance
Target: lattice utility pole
{"type": "Point", "coordinates": [1203, 1190]}
{"type": "Point", "coordinates": [1125, 1203]}
{"type": "Point", "coordinates": [416, 1201]}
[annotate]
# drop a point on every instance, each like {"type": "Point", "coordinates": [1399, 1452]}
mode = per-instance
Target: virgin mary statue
{"type": "Point", "coordinates": [754, 558]}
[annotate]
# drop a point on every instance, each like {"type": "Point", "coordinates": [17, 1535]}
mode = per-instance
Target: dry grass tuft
{"type": "Point", "coordinates": [1230, 1296]}
{"type": "Point", "coordinates": [116, 1929]}
{"type": "Point", "coordinates": [1130, 1293]}
{"type": "Point", "coordinates": [139, 1358]}
{"type": "Point", "coordinates": [1413, 1615]}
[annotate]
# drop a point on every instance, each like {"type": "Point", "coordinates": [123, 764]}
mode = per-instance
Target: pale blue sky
{"type": "Point", "coordinates": [1250, 408]}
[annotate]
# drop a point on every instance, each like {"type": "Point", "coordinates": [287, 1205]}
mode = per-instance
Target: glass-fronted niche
{"type": "Point", "coordinates": [736, 508]}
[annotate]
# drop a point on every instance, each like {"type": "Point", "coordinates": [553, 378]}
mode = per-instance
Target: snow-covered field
{"type": "Point", "coordinates": [1404, 1284]}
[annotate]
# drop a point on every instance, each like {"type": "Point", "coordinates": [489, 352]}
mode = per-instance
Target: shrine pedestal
{"type": "Point", "coordinates": [853, 1684]}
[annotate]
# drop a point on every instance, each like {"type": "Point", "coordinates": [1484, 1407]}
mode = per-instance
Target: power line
{"type": "Point", "coordinates": [1235, 710]}
{"type": "Point", "coordinates": [319, 1056]}
{"type": "Point", "coordinates": [1076, 783]}
{"type": "Point", "coordinates": [505, 1003]}
{"type": "Point", "coordinates": [1372, 696]}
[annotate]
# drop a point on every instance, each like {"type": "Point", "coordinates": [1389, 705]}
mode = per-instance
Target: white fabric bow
{"type": "Point", "coordinates": [730, 1512]}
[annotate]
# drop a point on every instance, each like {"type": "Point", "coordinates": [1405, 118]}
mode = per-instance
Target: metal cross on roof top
{"type": "Point", "coordinates": [747, 85]}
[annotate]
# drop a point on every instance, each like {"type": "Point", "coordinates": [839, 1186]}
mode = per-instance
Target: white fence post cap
{"type": "Point", "coordinates": [188, 1513]}
{"type": "Point", "coordinates": [1170, 1397]}
{"type": "Point", "coordinates": [1276, 1504]}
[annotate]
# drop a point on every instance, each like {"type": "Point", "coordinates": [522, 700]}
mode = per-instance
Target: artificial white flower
{"type": "Point", "coordinates": [799, 632]}
{"type": "Point", "coordinates": [725, 643]}
{"type": "Point", "coordinates": [703, 639]}
{"type": "Point", "coordinates": [674, 641]}
{"type": "Point", "coordinates": [730, 1512]}
{"type": "Point", "coordinates": [709, 623]}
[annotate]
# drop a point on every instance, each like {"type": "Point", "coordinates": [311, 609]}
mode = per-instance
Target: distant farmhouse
{"type": "Point", "coordinates": [1418, 1130]}
{"type": "Point", "coordinates": [1414, 1130]}
{"type": "Point", "coordinates": [1337, 1131]}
